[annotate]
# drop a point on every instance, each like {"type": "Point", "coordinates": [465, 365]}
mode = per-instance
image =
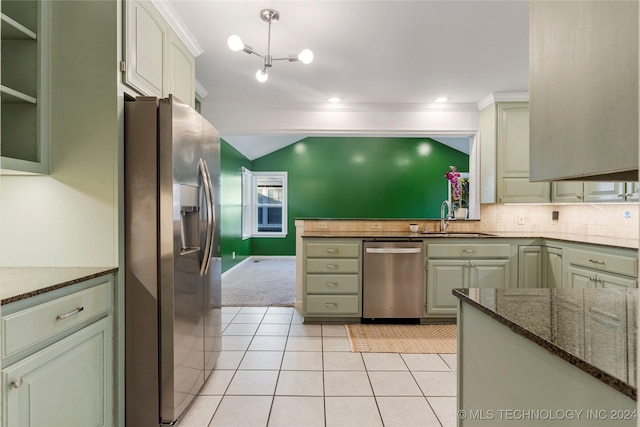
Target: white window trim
{"type": "Point", "coordinates": [250, 205]}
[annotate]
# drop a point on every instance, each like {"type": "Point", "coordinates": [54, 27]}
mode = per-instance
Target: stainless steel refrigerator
{"type": "Point", "coordinates": [172, 257]}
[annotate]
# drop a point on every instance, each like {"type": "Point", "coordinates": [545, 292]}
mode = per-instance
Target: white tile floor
{"type": "Point", "coordinates": [274, 371]}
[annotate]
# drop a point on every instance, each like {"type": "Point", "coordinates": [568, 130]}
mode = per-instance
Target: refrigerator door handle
{"type": "Point", "coordinates": [213, 215]}
{"type": "Point", "coordinates": [206, 254]}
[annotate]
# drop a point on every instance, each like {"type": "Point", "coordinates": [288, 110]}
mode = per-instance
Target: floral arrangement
{"type": "Point", "coordinates": [453, 176]}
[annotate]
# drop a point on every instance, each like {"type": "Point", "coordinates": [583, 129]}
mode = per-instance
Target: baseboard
{"type": "Point", "coordinates": [235, 266]}
{"type": "Point", "coordinates": [257, 258]}
{"type": "Point", "coordinates": [265, 257]}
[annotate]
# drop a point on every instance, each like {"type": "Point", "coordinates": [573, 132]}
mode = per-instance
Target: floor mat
{"type": "Point", "coordinates": [419, 339]}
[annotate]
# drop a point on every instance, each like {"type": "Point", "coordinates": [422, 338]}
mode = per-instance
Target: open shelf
{"type": "Point", "coordinates": [13, 30]}
{"type": "Point", "coordinates": [24, 28]}
{"type": "Point", "coordinates": [8, 95]}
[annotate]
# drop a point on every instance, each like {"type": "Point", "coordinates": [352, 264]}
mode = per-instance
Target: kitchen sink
{"type": "Point", "coordinates": [454, 234]}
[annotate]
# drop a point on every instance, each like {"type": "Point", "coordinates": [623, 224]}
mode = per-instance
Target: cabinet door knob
{"type": "Point", "coordinates": [16, 383]}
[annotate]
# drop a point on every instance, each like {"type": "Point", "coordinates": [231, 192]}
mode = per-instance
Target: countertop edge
{"type": "Point", "coordinates": [60, 285]}
{"type": "Point", "coordinates": [430, 236]}
{"type": "Point", "coordinates": [588, 368]}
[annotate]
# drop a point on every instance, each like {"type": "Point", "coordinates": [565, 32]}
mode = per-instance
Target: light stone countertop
{"type": "Point", "coordinates": [17, 283]}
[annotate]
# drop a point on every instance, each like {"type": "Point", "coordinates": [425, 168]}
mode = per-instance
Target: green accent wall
{"type": "Point", "coordinates": [363, 177]}
{"type": "Point", "coordinates": [231, 163]}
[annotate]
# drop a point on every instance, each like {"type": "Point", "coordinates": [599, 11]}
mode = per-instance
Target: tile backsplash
{"type": "Point", "coordinates": [615, 220]}
{"type": "Point", "coordinates": [608, 223]}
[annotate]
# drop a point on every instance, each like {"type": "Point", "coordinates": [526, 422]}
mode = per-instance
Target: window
{"type": "Point", "coordinates": [264, 204]}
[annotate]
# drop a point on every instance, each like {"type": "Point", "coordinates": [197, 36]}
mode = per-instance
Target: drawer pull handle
{"type": "Point", "coordinates": [332, 266]}
{"type": "Point", "coordinates": [331, 284]}
{"type": "Point", "coordinates": [333, 251]}
{"type": "Point", "coordinates": [469, 251]}
{"type": "Point", "coordinates": [331, 304]}
{"type": "Point", "coordinates": [69, 314]}
{"type": "Point", "coordinates": [596, 261]}
{"type": "Point", "coordinates": [17, 383]}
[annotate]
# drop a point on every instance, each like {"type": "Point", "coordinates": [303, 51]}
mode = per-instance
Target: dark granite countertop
{"type": "Point", "coordinates": [17, 283]}
{"type": "Point", "coordinates": [571, 238]}
{"type": "Point", "coordinates": [390, 235]}
{"type": "Point", "coordinates": [593, 329]}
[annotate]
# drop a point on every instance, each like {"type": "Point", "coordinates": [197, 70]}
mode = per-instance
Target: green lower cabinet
{"type": "Point", "coordinates": [66, 384]}
{"type": "Point", "coordinates": [494, 273]}
{"type": "Point", "coordinates": [611, 281]}
{"type": "Point", "coordinates": [530, 266]}
{"type": "Point", "coordinates": [332, 286]}
{"type": "Point", "coordinates": [552, 262]}
{"type": "Point", "coordinates": [582, 278]}
{"type": "Point", "coordinates": [445, 275]}
{"type": "Point", "coordinates": [442, 277]}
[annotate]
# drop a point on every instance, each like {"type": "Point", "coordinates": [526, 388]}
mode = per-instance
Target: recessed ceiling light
{"type": "Point", "coordinates": [334, 100]}
{"type": "Point", "coordinates": [442, 99]}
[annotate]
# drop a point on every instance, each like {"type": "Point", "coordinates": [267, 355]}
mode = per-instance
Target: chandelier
{"type": "Point", "coordinates": [236, 44]}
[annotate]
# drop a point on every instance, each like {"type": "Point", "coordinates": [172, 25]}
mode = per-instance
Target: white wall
{"type": "Point", "coordinates": [70, 217]}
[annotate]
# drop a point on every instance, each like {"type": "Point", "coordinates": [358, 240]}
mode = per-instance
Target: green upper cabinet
{"type": "Point", "coordinates": [583, 87]}
{"type": "Point", "coordinates": [25, 89]}
{"type": "Point", "coordinates": [156, 62]}
{"type": "Point", "coordinates": [567, 191]}
{"type": "Point", "coordinates": [594, 191]}
{"type": "Point", "coordinates": [504, 133]}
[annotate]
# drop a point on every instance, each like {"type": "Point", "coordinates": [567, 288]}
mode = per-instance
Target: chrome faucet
{"type": "Point", "coordinates": [444, 222]}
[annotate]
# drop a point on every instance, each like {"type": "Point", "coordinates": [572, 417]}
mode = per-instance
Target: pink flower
{"type": "Point", "coordinates": [453, 177]}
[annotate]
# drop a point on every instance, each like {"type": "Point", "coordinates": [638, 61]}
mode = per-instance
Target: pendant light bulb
{"type": "Point", "coordinates": [262, 75]}
{"type": "Point", "coordinates": [306, 56]}
{"type": "Point", "coordinates": [235, 43]}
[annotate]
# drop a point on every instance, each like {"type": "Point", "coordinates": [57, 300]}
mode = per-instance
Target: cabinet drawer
{"type": "Point", "coordinates": [468, 251]}
{"type": "Point", "coordinates": [333, 250]}
{"type": "Point", "coordinates": [332, 304]}
{"type": "Point", "coordinates": [604, 262]}
{"type": "Point", "coordinates": [332, 283]}
{"type": "Point", "coordinates": [30, 326]}
{"type": "Point", "coordinates": [333, 265]}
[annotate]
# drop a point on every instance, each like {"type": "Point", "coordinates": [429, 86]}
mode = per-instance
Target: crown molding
{"type": "Point", "coordinates": [354, 107]}
{"type": "Point", "coordinates": [391, 133]}
{"type": "Point", "coordinates": [169, 14]}
{"type": "Point", "coordinates": [502, 97]}
{"type": "Point", "coordinates": [201, 91]}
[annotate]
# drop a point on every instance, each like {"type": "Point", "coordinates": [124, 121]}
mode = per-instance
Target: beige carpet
{"type": "Point", "coordinates": [402, 338]}
{"type": "Point", "coordinates": [261, 282]}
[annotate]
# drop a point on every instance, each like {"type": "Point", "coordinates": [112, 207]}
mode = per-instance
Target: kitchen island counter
{"type": "Point", "coordinates": [17, 283]}
{"type": "Point", "coordinates": [550, 349]}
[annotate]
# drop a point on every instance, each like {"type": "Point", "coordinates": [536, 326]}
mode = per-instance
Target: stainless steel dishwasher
{"type": "Point", "coordinates": [393, 280]}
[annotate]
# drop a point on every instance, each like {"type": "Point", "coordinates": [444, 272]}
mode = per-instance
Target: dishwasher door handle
{"type": "Point", "coordinates": [393, 250]}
